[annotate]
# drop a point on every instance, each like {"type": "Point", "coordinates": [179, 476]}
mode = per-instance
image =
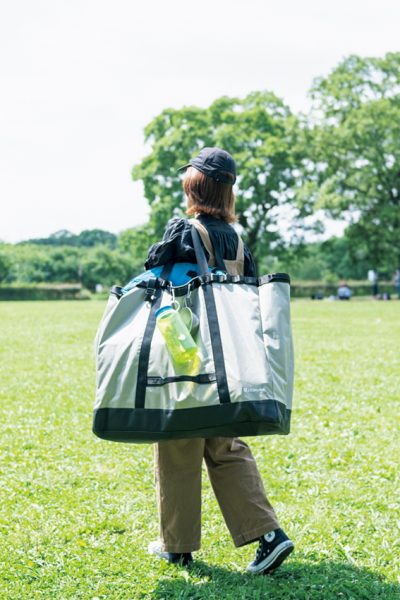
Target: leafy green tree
{"type": "Point", "coordinates": [341, 259]}
{"type": "Point", "coordinates": [31, 263]}
{"type": "Point", "coordinates": [259, 131]}
{"type": "Point", "coordinates": [63, 237]}
{"type": "Point", "coordinates": [64, 264]}
{"type": "Point", "coordinates": [5, 263]}
{"type": "Point", "coordinates": [96, 237]}
{"type": "Point", "coordinates": [88, 237]}
{"type": "Point", "coordinates": [333, 259]}
{"type": "Point", "coordinates": [105, 266]}
{"type": "Point", "coordinates": [355, 150]}
{"type": "Point", "coordinates": [134, 243]}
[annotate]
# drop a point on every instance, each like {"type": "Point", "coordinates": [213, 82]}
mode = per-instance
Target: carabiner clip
{"type": "Point", "coordinates": [188, 301]}
{"type": "Point", "coordinates": [174, 303]}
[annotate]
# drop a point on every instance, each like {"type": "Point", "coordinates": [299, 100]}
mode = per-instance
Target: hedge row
{"type": "Point", "coordinates": [309, 289]}
{"type": "Point", "coordinates": [44, 292]}
{"type": "Point", "coordinates": [299, 289]}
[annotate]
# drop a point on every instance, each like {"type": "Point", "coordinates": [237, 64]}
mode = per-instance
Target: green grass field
{"type": "Point", "coordinates": [77, 513]}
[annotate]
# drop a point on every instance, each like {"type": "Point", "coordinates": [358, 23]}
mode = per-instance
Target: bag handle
{"type": "Point", "coordinates": [213, 324]}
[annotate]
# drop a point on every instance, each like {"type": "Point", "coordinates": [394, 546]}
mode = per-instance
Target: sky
{"type": "Point", "coordinates": [80, 79]}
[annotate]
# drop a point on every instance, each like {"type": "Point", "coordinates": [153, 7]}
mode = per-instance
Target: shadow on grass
{"type": "Point", "coordinates": [326, 580]}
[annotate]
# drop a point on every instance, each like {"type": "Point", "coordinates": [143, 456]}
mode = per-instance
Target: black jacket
{"type": "Point", "coordinates": [177, 246]}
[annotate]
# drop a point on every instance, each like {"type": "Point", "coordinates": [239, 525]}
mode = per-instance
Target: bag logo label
{"type": "Point", "coordinates": [253, 391]}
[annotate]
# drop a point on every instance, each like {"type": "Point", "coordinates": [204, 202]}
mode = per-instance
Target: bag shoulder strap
{"type": "Point", "coordinates": [236, 267]}
{"type": "Point", "coordinates": [233, 267]}
{"type": "Point", "coordinates": [205, 238]}
{"type": "Point", "coordinates": [240, 250]}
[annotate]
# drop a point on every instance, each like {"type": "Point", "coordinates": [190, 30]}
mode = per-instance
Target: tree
{"type": "Point", "coordinates": [134, 243]}
{"type": "Point", "coordinates": [96, 237]}
{"type": "Point", "coordinates": [32, 263]}
{"type": "Point", "coordinates": [259, 131]}
{"type": "Point", "coordinates": [355, 142]}
{"type": "Point", "coordinates": [87, 237]}
{"type": "Point", "coordinates": [63, 237]}
{"type": "Point", "coordinates": [108, 267]}
{"type": "Point", "coordinates": [5, 263]}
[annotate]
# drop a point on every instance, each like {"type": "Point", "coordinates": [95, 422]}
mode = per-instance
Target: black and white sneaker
{"type": "Point", "coordinates": [177, 558]}
{"type": "Point", "coordinates": [273, 548]}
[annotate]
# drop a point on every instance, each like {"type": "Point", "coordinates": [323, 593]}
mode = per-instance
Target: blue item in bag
{"type": "Point", "coordinates": [180, 274]}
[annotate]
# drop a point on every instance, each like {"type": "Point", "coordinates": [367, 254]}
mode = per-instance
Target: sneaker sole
{"type": "Point", "coordinates": [275, 559]}
{"type": "Point", "coordinates": [156, 551]}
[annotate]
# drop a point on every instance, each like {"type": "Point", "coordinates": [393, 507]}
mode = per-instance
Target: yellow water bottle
{"type": "Point", "coordinates": [181, 346]}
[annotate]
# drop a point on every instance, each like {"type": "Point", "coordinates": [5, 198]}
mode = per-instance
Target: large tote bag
{"type": "Point", "coordinates": [245, 382]}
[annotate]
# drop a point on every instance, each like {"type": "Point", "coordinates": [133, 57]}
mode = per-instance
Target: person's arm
{"type": "Point", "coordinates": [162, 252]}
{"type": "Point", "coordinates": [176, 245]}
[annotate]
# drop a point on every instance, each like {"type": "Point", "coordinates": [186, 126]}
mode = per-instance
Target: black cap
{"type": "Point", "coordinates": [215, 163]}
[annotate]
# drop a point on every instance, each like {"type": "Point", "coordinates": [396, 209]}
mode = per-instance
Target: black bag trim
{"type": "Point", "coordinates": [153, 296]}
{"type": "Point", "coordinates": [213, 325]}
{"type": "Point", "coordinates": [197, 281]}
{"type": "Point", "coordinates": [216, 345]}
{"type": "Point", "coordinates": [182, 290]}
{"type": "Point", "coordinates": [200, 379]}
{"type": "Point", "coordinates": [116, 290]}
{"type": "Point", "coordinates": [145, 347]}
{"type": "Point", "coordinates": [280, 277]}
{"type": "Point", "coordinates": [221, 420]}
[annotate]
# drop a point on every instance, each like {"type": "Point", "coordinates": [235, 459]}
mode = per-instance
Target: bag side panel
{"type": "Point", "coordinates": [110, 306]}
{"type": "Point", "coordinates": [248, 372]}
{"type": "Point", "coordinates": [118, 347]}
{"type": "Point", "coordinates": [275, 314]}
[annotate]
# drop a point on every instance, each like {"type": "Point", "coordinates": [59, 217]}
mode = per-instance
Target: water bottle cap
{"type": "Point", "coordinates": [163, 309]}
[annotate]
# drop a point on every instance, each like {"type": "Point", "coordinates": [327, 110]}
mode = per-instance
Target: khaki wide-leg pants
{"type": "Point", "coordinates": [236, 483]}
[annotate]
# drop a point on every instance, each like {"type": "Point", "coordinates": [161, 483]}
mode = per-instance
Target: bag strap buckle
{"type": "Point", "coordinates": [151, 290]}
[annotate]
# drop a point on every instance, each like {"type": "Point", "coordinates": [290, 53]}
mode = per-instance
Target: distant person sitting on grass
{"type": "Point", "coordinates": [373, 278]}
{"type": "Point", "coordinates": [344, 292]}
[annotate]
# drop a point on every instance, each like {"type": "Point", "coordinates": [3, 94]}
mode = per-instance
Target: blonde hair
{"type": "Point", "coordinates": [207, 196]}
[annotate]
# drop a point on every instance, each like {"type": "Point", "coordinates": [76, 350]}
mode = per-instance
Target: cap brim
{"type": "Point", "coordinates": [184, 167]}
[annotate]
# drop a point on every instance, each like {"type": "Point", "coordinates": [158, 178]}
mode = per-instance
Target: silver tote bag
{"type": "Point", "coordinates": [245, 382]}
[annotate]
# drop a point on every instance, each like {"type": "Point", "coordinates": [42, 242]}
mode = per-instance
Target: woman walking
{"type": "Point", "coordinates": [233, 472]}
